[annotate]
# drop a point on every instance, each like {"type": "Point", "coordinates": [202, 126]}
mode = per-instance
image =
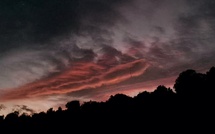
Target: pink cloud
{"type": "Point", "coordinates": [79, 77]}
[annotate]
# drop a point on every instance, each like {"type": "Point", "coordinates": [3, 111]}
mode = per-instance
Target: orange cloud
{"type": "Point", "coordinates": [82, 75]}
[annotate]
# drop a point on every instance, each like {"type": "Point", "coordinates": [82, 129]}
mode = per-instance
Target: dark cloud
{"type": "Point", "coordinates": [199, 21]}
{"type": "Point", "coordinates": [41, 38]}
{"type": "Point", "coordinates": [195, 30]}
{"type": "Point", "coordinates": [110, 56]}
{"type": "Point", "coordinates": [158, 29]}
{"type": "Point", "coordinates": [188, 44]}
{"type": "Point", "coordinates": [27, 22]}
{"type": "Point", "coordinates": [36, 21]}
{"type": "Point", "coordinates": [134, 42]}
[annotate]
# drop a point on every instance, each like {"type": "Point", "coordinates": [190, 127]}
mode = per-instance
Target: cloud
{"type": "Point", "coordinates": [2, 107]}
{"type": "Point", "coordinates": [48, 37]}
{"type": "Point", "coordinates": [23, 66]}
{"type": "Point", "coordinates": [80, 48]}
{"type": "Point", "coordinates": [23, 109]}
{"type": "Point", "coordinates": [195, 31]}
{"type": "Point", "coordinates": [80, 76]}
{"type": "Point", "coordinates": [29, 22]}
{"type": "Point", "coordinates": [40, 39]}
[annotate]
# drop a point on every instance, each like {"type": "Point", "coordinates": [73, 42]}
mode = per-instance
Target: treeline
{"type": "Point", "coordinates": [191, 102]}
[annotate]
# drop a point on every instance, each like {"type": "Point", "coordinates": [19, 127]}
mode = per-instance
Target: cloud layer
{"type": "Point", "coordinates": [91, 48]}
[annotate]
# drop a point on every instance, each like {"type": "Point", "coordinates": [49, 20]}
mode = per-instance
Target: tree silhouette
{"type": "Point", "coordinates": [73, 106]}
{"type": "Point", "coordinates": [190, 84]}
{"type": "Point", "coordinates": [1, 118]}
{"type": "Point", "coordinates": [142, 101]}
{"type": "Point", "coordinates": [162, 91]}
{"type": "Point", "coordinates": [210, 81]}
{"type": "Point", "coordinates": [93, 107]}
{"type": "Point", "coordinates": [12, 116]}
{"type": "Point", "coordinates": [119, 103]}
{"type": "Point", "coordinates": [193, 100]}
{"type": "Point", "coordinates": [11, 120]}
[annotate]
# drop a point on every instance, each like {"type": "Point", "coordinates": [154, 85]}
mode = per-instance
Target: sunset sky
{"type": "Point", "coordinates": [55, 51]}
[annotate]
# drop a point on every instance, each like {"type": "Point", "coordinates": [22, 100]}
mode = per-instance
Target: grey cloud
{"type": "Point", "coordinates": [28, 22]}
{"type": "Point", "coordinates": [24, 66]}
{"type": "Point", "coordinates": [199, 21]}
{"type": "Point", "coordinates": [41, 38]}
{"type": "Point", "coordinates": [23, 109]}
{"type": "Point", "coordinates": [35, 21]}
{"type": "Point", "coordinates": [134, 42]}
{"type": "Point", "coordinates": [2, 107]}
{"type": "Point", "coordinates": [181, 32]}
{"type": "Point", "coordinates": [158, 29]}
{"type": "Point", "coordinates": [28, 65]}
{"type": "Point", "coordinates": [195, 30]}
{"type": "Point", "coordinates": [171, 35]}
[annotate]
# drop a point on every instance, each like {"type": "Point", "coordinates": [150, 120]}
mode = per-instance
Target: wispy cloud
{"type": "Point", "coordinates": [80, 76]}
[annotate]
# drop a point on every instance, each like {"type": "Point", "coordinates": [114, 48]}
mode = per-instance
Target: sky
{"type": "Point", "coordinates": [55, 51]}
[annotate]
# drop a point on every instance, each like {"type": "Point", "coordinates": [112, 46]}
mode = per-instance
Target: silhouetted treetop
{"type": "Point", "coordinates": [12, 116]}
{"type": "Point", "coordinates": [190, 83]}
{"type": "Point", "coordinates": [211, 72]}
{"type": "Point", "coordinates": [119, 99]}
{"type": "Point", "coordinates": [142, 96]}
{"type": "Point", "coordinates": [163, 91]}
{"type": "Point", "coordinates": [73, 105]}
{"type": "Point", "coordinates": [194, 95]}
{"type": "Point", "coordinates": [211, 76]}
